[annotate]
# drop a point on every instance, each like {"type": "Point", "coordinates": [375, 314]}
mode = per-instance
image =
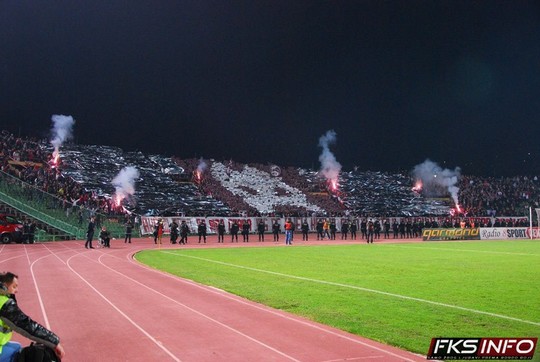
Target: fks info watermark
{"type": "Point", "coordinates": [482, 348]}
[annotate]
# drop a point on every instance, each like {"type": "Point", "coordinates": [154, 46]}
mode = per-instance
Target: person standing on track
{"type": "Point", "coordinates": [13, 319]}
{"type": "Point", "coordinates": [221, 231]}
{"type": "Point", "coordinates": [260, 229]}
{"type": "Point", "coordinates": [370, 231]}
{"type": "Point", "coordinates": [326, 229]}
{"type": "Point", "coordinates": [201, 231]}
{"type": "Point", "coordinates": [319, 228]}
{"type": "Point", "coordinates": [159, 232]}
{"type": "Point", "coordinates": [276, 230]}
{"type": "Point", "coordinates": [305, 230]}
{"type": "Point", "coordinates": [129, 229]}
{"type": "Point", "coordinates": [90, 233]}
{"type": "Point", "coordinates": [289, 227]}
{"type": "Point", "coordinates": [333, 229]}
{"type": "Point", "coordinates": [234, 231]}
{"type": "Point", "coordinates": [173, 227]}
{"type": "Point", "coordinates": [344, 229]}
{"type": "Point", "coordinates": [245, 231]}
{"type": "Point", "coordinates": [184, 231]}
{"type": "Point", "coordinates": [353, 229]}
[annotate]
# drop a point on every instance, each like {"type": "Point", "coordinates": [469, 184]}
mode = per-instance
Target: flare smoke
{"type": "Point", "coordinates": [330, 168]}
{"type": "Point", "coordinates": [201, 166]}
{"type": "Point", "coordinates": [61, 131]}
{"type": "Point", "coordinates": [124, 182]}
{"type": "Point", "coordinates": [434, 178]}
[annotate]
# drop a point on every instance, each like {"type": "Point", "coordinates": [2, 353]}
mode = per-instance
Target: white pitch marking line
{"type": "Point", "coordinates": [269, 310]}
{"type": "Point", "coordinates": [464, 250]}
{"type": "Point", "coordinates": [363, 289]}
{"type": "Point", "coordinates": [199, 313]}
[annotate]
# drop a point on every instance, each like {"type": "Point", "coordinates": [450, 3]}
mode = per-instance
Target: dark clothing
{"type": "Point", "coordinates": [129, 229]}
{"type": "Point", "coordinates": [320, 228]}
{"type": "Point", "coordinates": [333, 230]}
{"type": "Point", "coordinates": [353, 230]}
{"type": "Point", "coordinates": [363, 229]}
{"type": "Point", "coordinates": [344, 230]}
{"type": "Point", "coordinates": [370, 231]}
{"type": "Point", "coordinates": [29, 229]}
{"type": "Point", "coordinates": [89, 235]}
{"type": "Point", "coordinates": [221, 232]}
{"type": "Point", "coordinates": [386, 229]}
{"type": "Point", "coordinates": [174, 232]}
{"type": "Point", "coordinates": [23, 324]}
{"type": "Point", "coordinates": [105, 237]}
{"type": "Point", "coordinates": [234, 232]}
{"type": "Point", "coordinates": [245, 232]}
{"type": "Point", "coordinates": [184, 231]}
{"type": "Point", "coordinates": [276, 230]}
{"type": "Point", "coordinates": [305, 230]}
{"type": "Point", "coordinates": [395, 229]}
{"type": "Point", "coordinates": [201, 231]}
{"type": "Point", "coordinates": [260, 230]}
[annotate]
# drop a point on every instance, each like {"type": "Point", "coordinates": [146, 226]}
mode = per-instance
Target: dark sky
{"type": "Point", "coordinates": [260, 81]}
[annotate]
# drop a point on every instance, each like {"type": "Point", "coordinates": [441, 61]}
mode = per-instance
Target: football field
{"type": "Point", "coordinates": [402, 294]}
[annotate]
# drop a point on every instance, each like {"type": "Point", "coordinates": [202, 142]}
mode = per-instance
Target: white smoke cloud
{"type": "Point", "coordinates": [61, 131]}
{"type": "Point", "coordinates": [201, 167]}
{"type": "Point", "coordinates": [124, 183]}
{"type": "Point", "coordinates": [436, 179]}
{"type": "Point", "coordinates": [330, 167]}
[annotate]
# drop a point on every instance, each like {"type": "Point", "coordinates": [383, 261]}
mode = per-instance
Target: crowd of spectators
{"type": "Point", "coordinates": [230, 188]}
{"type": "Point", "coordinates": [29, 160]}
{"type": "Point", "coordinates": [499, 196]}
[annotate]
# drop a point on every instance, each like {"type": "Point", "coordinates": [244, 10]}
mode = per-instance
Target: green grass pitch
{"type": "Point", "coordinates": [402, 294]}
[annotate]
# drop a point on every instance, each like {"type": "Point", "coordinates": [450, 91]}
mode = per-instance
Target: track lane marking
{"type": "Point", "coordinates": [282, 314]}
{"type": "Point", "coordinates": [197, 312]}
{"type": "Point", "coordinates": [81, 253]}
{"type": "Point", "coordinates": [400, 296]}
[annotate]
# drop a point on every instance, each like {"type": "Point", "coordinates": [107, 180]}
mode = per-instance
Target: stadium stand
{"type": "Point", "coordinates": [80, 185]}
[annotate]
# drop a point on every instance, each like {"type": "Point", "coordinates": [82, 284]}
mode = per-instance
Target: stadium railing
{"type": "Point", "coordinates": [52, 210]}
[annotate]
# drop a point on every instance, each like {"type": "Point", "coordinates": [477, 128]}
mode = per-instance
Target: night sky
{"type": "Point", "coordinates": [457, 82]}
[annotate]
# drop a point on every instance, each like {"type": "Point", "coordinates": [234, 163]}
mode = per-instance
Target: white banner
{"type": "Point", "coordinates": [508, 233]}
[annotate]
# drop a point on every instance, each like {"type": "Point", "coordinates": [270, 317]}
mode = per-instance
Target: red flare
{"type": "Point", "coordinates": [417, 186]}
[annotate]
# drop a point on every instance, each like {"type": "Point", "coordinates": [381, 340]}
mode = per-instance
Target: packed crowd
{"type": "Point", "coordinates": [28, 160]}
{"type": "Point", "coordinates": [233, 189]}
{"type": "Point", "coordinates": [499, 196]}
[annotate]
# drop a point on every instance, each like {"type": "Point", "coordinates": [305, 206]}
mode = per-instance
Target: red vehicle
{"type": "Point", "coordinates": [11, 229]}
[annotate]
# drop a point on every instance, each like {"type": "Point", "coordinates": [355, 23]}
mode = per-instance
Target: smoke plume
{"type": "Point", "coordinates": [330, 168]}
{"type": "Point", "coordinates": [201, 167]}
{"type": "Point", "coordinates": [61, 131]}
{"type": "Point", "coordinates": [436, 180]}
{"type": "Point", "coordinates": [124, 182]}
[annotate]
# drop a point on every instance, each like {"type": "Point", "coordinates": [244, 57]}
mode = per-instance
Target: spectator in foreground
{"type": "Point", "coordinates": [13, 319]}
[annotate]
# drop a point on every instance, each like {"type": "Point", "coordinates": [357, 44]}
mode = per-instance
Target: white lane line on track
{"type": "Point", "coordinates": [197, 312]}
{"type": "Point", "coordinates": [234, 298]}
{"type": "Point", "coordinates": [8, 259]}
{"type": "Point", "coordinates": [476, 311]}
{"type": "Point", "coordinates": [156, 342]}
{"type": "Point", "coordinates": [40, 300]}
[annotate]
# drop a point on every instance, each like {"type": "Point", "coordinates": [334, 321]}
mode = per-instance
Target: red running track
{"type": "Point", "coordinates": [105, 306]}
